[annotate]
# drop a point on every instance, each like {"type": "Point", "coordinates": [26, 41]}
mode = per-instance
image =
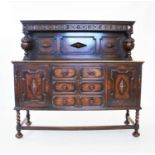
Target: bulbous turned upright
{"type": "Point", "coordinates": [129, 44]}
{"type": "Point", "coordinates": [26, 43]}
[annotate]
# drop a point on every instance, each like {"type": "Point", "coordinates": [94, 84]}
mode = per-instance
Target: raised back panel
{"type": "Point", "coordinates": [77, 40]}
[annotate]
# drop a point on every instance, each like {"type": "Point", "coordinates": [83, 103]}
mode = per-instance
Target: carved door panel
{"type": "Point", "coordinates": [122, 86]}
{"type": "Point", "coordinates": [34, 86]}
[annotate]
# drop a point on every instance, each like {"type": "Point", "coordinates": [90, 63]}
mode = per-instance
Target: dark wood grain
{"type": "Point", "coordinates": [37, 87]}
{"type": "Point", "coordinates": [74, 128]}
{"type": "Point", "coordinates": [77, 40]}
{"type": "Point", "coordinates": [77, 66]}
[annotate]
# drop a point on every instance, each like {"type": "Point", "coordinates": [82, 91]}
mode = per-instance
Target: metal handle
{"type": "Point", "coordinates": [65, 87]}
{"type": "Point", "coordinates": [91, 100]}
{"type": "Point", "coordinates": [91, 87]}
{"type": "Point", "coordinates": [65, 73]}
{"type": "Point", "coordinates": [91, 73]}
{"type": "Point", "coordinates": [110, 45]}
{"type": "Point", "coordinates": [64, 101]}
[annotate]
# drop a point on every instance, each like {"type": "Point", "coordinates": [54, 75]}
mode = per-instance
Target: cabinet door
{"type": "Point", "coordinates": [123, 86]}
{"type": "Point", "coordinates": [32, 85]}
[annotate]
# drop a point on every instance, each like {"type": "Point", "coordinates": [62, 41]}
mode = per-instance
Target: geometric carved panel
{"type": "Point", "coordinates": [78, 45]}
{"type": "Point", "coordinates": [110, 46]}
{"type": "Point", "coordinates": [122, 86]}
{"type": "Point", "coordinates": [46, 45]}
{"type": "Point", "coordinates": [34, 87]}
{"type": "Point", "coordinates": [33, 83]}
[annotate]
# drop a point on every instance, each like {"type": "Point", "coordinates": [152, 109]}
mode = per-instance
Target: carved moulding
{"type": "Point", "coordinates": [76, 27]}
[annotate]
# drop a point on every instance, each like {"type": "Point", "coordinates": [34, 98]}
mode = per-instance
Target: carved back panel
{"type": "Point", "coordinates": [77, 40]}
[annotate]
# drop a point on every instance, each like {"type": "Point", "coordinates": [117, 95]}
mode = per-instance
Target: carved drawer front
{"type": "Point", "coordinates": [62, 87]}
{"type": "Point", "coordinates": [92, 72]}
{"type": "Point", "coordinates": [64, 72]}
{"type": "Point", "coordinates": [91, 87]}
{"type": "Point", "coordinates": [63, 100]}
{"type": "Point", "coordinates": [91, 100]}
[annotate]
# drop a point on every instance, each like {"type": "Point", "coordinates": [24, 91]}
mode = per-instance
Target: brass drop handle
{"type": "Point", "coordinates": [46, 45]}
{"type": "Point", "coordinates": [65, 73]}
{"type": "Point", "coordinates": [112, 93]}
{"type": "Point", "coordinates": [91, 100]}
{"type": "Point", "coordinates": [91, 87]}
{"type": "Point", "coordinates": [91, 73]}
{"type": "Point", "coordinates": [65, 87]}
{"type": "Point", "coordinates": [110, 45]}
{"type": "Point", "coordinates": [64, 101]}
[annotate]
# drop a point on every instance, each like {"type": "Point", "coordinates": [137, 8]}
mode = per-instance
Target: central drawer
{"type": "Point", "coordinates": [64, 72]}
{"type": "Point", "coordinates": [91, 87]}
{"type": "Point", "coordinates": [77, 86]}
{"type": "Point", "coordinates": [64, 100]}
{"type": "Point", "coordinates": [70, 100]}
{"type": "Point", "coordinates": [82, 72]}
{"type": "Point", "coordinates": [92, 72]}
{"type": "Point", "coordinates": [64, 87]}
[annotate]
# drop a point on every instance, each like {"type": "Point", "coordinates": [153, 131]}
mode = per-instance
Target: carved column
{"type": "Point", "coordinates": [27, 45]}
{"type": "Point", "coordinates": [28, 123]}
{"type": "Point", "coordinates": [136, 133]}
{"type": "Point", "coordinates": [18, 127]}
{"type": "Point", "coordinates": [127, 116]}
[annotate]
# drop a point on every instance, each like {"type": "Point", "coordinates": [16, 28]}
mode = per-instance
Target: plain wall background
{"type": "Point", "coordinates": [11, 12]}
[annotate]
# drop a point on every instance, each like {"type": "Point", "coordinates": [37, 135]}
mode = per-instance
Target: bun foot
{"type": "Point", "coordinates": [28, 123]}
{"type": "Point", "coordinates": [136, 134]}
{"type": "Point", "coordinates": [126, 122]}
{"type": "Point", "coordinates": [19, 135]}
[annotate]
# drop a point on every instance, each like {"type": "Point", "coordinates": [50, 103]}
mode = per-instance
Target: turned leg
{"type": "Point", "coordinates": [136, 133]}
{"type": "Point", "coordinates": [28, 123]}
{"type": "Point", "coordinates": [126, 118]}
{"type": "Point", "coordinates": [18, 127]}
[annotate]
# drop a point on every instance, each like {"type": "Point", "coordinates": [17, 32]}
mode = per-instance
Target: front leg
{"type": "Point", "coordinates": [136, 133]}
{"type": "Point", "coordinates": [127, 116]}
{"type": "Point", "coordinates": [18, 127]}
{"type": "Point", "coordinates": [28, 123]}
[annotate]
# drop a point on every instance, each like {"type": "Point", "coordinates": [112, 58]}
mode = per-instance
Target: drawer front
{"type": "Point", "coordinates": [64, 100]}
{"type": "Point", "coordinates": [92, 72]}
{"type": "Point", "coordinates": [91, 87]}
{"type": "Point", "coordinates": [91, 100]}
{"type": "Point", "coordinates": [65, 87]}
{"type": "Point", "coordinates": [64, 72]}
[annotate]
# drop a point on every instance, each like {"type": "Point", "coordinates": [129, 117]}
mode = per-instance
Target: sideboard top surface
{"type": "Point", "coordinates": [76, 21]}
{"type": "Point", "coordinates": [77, 61]}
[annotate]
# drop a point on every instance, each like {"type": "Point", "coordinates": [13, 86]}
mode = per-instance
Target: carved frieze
{"type": "Point", "coordinates": [76, 27]}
